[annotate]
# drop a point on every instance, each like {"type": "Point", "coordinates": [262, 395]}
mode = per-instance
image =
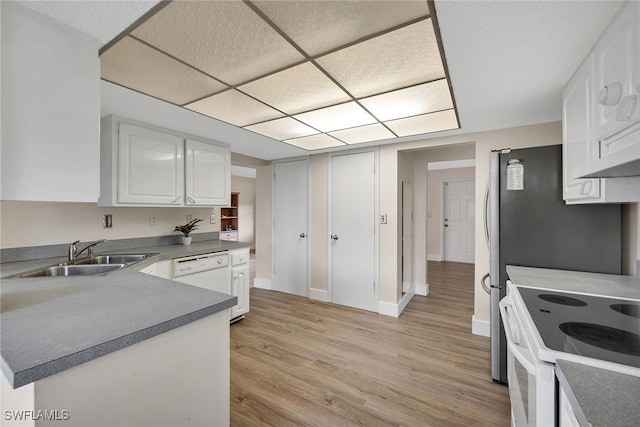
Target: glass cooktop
{"type": "Point", "coordinates": [591, 326]}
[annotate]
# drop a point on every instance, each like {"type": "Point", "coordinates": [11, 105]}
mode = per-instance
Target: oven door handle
{"type": "Point", "coordinates": [521, 353]}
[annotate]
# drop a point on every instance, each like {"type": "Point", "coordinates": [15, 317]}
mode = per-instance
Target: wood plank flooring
{"type": "Point", "coordinates": [299, 362]}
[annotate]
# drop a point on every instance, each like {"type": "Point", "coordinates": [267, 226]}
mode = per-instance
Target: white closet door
{"type": "Point", "coordinates": [290, 208]}
{"type": "Point", "coordinates": [352, 239]}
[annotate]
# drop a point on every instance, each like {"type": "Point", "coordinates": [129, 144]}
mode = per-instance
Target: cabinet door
{"type": "Point", "coordinates": [150, 166]}
{"type": "Point", "coordinates": [578, 146]}
{"type": "Point", "coordinates": [240, 289]}
{"type": "Point", "coordinates": [616, 74]}
{"type": "Point", "coordinates": [208, 175]}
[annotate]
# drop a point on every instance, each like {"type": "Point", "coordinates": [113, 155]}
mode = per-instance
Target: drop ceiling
{"type": "Point", "coordinates": [312, 74]}
{"type": "Point", "coordinates": [507, 63]}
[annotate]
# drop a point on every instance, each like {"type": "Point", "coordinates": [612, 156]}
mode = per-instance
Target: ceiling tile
{"type": "Point", "coordinates": [319, 26]}
{"type": "Point", "coordinates": [281, 129]}
{"type": "Point", "coordinates": [360, 134]}
{"type": "Point", "coordinates": [398, 59]}
{"type": "Point", "coordinates": [224, 38]}
{"type": "Point", "coordinates": [337, 117]}
{"type": "Point", "coordinates": [235, 108]}
{"type": "Point", "coordinates": [315, 142]}
{"type": "Point", "coordinates": [297, 89]}
{"type": "Point", "coordinates": [412, 101]}
{"type": "Point", "coordinates": [134, 65]}
{"type": "Point", "coordinates": [426, 123]}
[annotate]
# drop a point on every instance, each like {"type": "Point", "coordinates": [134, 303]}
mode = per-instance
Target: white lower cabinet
{"type": "Point", "coordinates": [159, 269]}
{"type": "Point", "coordinates": [240, 281]}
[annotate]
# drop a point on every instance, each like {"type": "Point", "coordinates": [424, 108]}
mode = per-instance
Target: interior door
{"type": "Point", "coordinates": [290, 209]}
{"type": "Point", "coordinates": [352, 239]}
{"type": "Point", "coordinates": [459, 221]}
{"type": "Point", "coordinates": [407, 236]}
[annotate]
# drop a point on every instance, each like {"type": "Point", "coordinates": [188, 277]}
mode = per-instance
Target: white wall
{"type": "Point", "coordinates": [247, 207]}
{"type": "Point", "coordinates": [48, 223]}
{"type": "Point", "coordinates": [435, 198]}
{"type": "Point", "coordinates": [264, 176]}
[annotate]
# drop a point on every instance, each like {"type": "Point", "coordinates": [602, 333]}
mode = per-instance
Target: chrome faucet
{"type": "Point", "coordinates": [73, 250]}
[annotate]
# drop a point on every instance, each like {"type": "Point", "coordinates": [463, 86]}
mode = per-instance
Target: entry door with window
{"type": "Point", "coordinates": [290, 213]}
{"type": "Point", "coordinates": [352, 227]}
{"type": "Point", "coordinates": [459, 221]}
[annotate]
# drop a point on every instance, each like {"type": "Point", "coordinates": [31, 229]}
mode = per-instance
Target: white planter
{"type": "Point", "coordinates": [186, 240]}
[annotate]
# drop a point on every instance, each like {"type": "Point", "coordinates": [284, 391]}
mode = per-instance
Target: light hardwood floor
{"type": "Point", "coordinates": [296, 361]}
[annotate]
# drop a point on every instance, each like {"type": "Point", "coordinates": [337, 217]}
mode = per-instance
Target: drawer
{"type": "Point", "coordinates": [239, 256]}
{"type": "Point", "coordinates": [228, 235]}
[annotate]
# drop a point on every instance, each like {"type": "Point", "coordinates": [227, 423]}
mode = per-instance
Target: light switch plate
{"type": "Point", "coordinates": [153, 220]}
{"type": "Point", "coordinates": [383, 219]}
{"type": "Point", "coordinates": [212, 219]}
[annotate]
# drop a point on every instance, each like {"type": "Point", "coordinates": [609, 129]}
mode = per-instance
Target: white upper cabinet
{"type": "Point", "coordinates": [150, 167]}
{"type": "Point", "coordinates": [50, 90]}
{"type": "Point", "coordinates": [208, 174]}
{"type": "Point", "coordinates": [577, 133]}
{"type": "Point", "coordinates": [601, 117]}
{"type": "Point", "coordinates": [142, 165]}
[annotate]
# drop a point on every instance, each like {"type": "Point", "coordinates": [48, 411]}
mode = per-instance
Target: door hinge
{"type": "Point", "coordinates": [374, 287]}
{"type": "Point", "coordinates": [274, 223]}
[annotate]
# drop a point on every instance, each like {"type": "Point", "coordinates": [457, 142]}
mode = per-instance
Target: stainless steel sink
{"type": "Point", "coordinates": [73, 270]}
{"type": "Point", "coordinates": [112, 259]}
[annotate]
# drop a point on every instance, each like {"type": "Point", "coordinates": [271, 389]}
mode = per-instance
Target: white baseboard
{"type": "Point", "coordinates": [422, 289]}
{"type": "Point", "coordinates": [480, 327]}
{"type": "Point", "coordinates": [262, 283]}
{"type": "Point", "coordinates": [319, 294]}
{"type": "Point", "coordinates": [434, 257]}
{"type": "Point", "coordinates": [394, 310]}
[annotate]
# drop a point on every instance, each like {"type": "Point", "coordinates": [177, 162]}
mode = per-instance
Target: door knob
{"type": "Point", "coordinates": [303, 235]}
{"type": "Point", "coordinates": [334, 236]}
{"type": "Point", "coordinates": [446, 225]}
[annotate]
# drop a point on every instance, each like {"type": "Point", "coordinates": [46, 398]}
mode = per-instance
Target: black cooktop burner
{"type": "Point", "coordinates": [632, 310]}
{"type": "Point", "coordinates": [611, 339]}
{"type": "Point", "coordinates": [562, 299]}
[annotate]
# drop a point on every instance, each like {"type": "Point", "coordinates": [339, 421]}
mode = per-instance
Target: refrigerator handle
{"type": "Point", "coordinates": [486, 213]}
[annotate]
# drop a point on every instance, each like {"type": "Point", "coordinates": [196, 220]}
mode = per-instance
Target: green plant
{"type": "Point", "coordinates": [188, 227]}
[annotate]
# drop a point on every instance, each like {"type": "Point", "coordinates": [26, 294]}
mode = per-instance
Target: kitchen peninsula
{"type": "Point", "coordinates": [126, 348]}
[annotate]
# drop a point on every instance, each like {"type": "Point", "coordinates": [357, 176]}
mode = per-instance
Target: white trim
{"type": "Point", "coordinates": [434, 257]}
{"type": "Point", "coordinates": [480, 327]}
{"type": "Point", "coordinates": [262, 283]}
{"type": "Point", "coordinates": [319, 294]}
{"type": "Point", "coordinates": [394, 310]}
{"type": "Point", "coordinates": [451, 164]}
{"type": "Point", "coordinates": [422, 289]}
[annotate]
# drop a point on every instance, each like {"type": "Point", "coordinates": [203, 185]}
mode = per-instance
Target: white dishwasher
{"type": "Point", "coordinates": [209, 271]}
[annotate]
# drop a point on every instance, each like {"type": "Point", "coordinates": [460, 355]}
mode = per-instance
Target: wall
{"type": "Point", "coordinates": [631, 239]}
{"type": "Point", "coordinates": [247, 207]}
{"type": "Point", "coordinates": [47, 223]}
{"type": "Point", "coordinates": [318, 226]}
{"type": "Point", "coordinates": [264, 176]}
{"type": "Point", "coordinates": [435, 198]}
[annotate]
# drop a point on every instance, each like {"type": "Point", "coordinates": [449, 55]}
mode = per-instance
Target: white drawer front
{"type": "Point", "coordinates": [240, 256]}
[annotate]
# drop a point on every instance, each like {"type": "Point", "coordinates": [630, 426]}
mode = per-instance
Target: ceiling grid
{"type": "Point", "coordinates": [313, 74]}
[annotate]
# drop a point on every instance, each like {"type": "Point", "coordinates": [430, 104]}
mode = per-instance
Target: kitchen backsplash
{"type": "Point", "coordinates": [50, 223]}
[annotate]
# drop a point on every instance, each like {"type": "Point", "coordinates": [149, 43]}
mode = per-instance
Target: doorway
{"type": "Point", "coordinates": [352, 226]}
{"type": "Point", "coordinates": [459, 221]}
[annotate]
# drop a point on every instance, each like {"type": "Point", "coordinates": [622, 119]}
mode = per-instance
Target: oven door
{"type": "Point", "coordinates": [531, 381]}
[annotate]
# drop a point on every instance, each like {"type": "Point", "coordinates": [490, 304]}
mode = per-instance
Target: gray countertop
{"type": "Point", "coordinates": [611, 285]}
{"type": "Point", "coordinates": [600, 397]}
{"type": "Point", "coordinates": [51, 324]}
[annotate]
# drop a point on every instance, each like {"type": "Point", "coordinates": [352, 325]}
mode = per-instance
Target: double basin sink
{"type": "Point", "coordinates": [93, 266]}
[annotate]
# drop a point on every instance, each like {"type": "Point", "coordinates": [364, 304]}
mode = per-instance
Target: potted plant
{"type": "Point", "coordinates": [186, 229]}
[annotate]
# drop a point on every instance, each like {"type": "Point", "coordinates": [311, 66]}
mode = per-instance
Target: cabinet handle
{"type": "Point", "coordinates": [176, 199]}
{"type": "Point", "coordinates": [303, 235]}
{"type": "Point", "coordinates": [586, 188]}
{"type": "Point", "coordinates": [190, 199]}
{"type": "Point", "coordinates": [610, 94]}
{"type": "Point", "coordinates": [334, 236]}
{"type": "Point", "coordinates": [623, 112]}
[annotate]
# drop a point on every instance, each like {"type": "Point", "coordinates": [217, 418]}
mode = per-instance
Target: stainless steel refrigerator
{"type": "Point", "coordinates": [530, 225]}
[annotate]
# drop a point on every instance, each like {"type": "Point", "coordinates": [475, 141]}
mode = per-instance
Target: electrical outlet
{"type": "Point", "coordinates": [107, 221]}
{"type": "Point", "coordinates": [212, 219]}
{"type": "Point", "coordinates": [189, 217]}
{"type": "Point", "coordinates": [153, 220]}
